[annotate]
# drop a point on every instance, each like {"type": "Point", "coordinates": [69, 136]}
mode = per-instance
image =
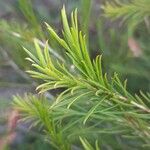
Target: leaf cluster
{"type": "Point", "coordinates": [92, 106]}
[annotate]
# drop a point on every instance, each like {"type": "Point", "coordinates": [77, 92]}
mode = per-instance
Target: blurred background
{"type": "Point", "coordinates": [125, 50]}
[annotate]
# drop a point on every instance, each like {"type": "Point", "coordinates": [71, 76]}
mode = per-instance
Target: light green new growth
{"type": "Point", "coordinates": [90, 105]}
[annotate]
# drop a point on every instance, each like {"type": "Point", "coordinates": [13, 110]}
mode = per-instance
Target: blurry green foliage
{"type": "Point", "coordinates": [115, 40]}
{"type": "Point", "coordinates": [91, 107]}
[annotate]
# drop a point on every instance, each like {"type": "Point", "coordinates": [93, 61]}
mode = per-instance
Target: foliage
{"type": "Point", "coordinates": [85, 13]}
{"type": "Point", "coordinates": [126, 46]}
{"type": "Point", "coordinates": [15, 34]}
{"type": "Point", "coordinates": [27, 10]}
{"type": "Point", "coordinates": [118, 56]}
{"type": "Point", "coordinates": [133, 12]}
{"type": "Point", "coordinates": [91, 106]}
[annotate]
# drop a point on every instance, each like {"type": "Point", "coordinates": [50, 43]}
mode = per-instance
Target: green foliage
{"type": "Point", "coordinates": [11, 41]}
{"type": "Point", "coordinates": [85, 13]}
{"type": "Point", "coordinates": [137, 9]}
{"type": "Point", "coordinates": [91, 106]}
{"type": "Point", "coordinates": [87, 146]}
{"type": "Point", "coordinates": [38, 111]}
{"type": "Point", "coordinates": [14, 35]}
{"type": "Point", "coordinates": [126, 48]}
{"type": "Point", "coordinates": [118, 56]}
{"type": "Point", "coordinates": [27, 10]}
{"type": "Point", "coordinates": [133, 12]}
